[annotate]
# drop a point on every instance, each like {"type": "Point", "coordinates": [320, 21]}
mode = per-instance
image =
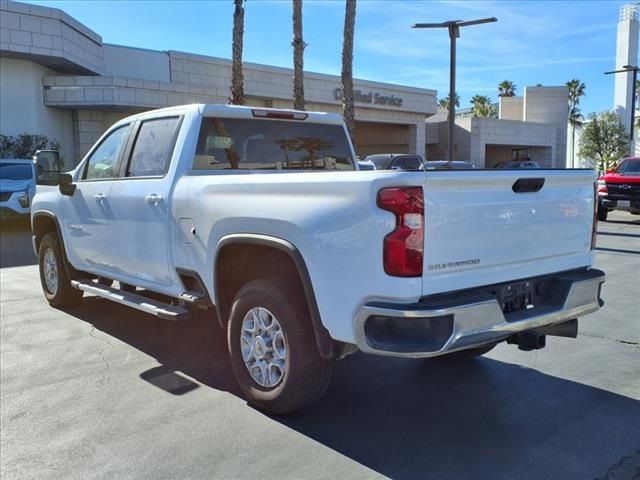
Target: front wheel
{"type": "Point", "coordinates": [602, 213]}
{"type": "Point", "coordinates": [273, 350]}
{"type": "Point", "coordinates": [56, 284]}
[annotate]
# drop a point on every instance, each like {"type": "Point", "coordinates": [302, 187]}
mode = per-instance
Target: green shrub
{"type": "Point", "coordinates": [25, 145]}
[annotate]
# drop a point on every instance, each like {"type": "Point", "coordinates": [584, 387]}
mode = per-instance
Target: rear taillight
{"type": "Point", "coordinates": [403, 248]}
{"type": "Point", "coordinates": [594, 225]}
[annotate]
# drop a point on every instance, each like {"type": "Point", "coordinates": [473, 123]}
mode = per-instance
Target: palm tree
{"type": "Point", "coordinates": [576, 90]}
{"type": "Point", "coordinates": [312, 145]}
{"type": "Point", "coordinates": [506, 88]}
{"type": "Point", "coordinates": [347, 68]}
{"type": "Point", "coordinates": [576, 120]}
{"type": "Point", "coordinates": [298, 54]}
{"type": "Point", "coordinates": [237, 77]}
{"type": "Point", "coordinates": [482, 106]}
{"type": "Point", "coordinates": [444, 102]}
{"type": "Point", "coordinates": [287, 145]}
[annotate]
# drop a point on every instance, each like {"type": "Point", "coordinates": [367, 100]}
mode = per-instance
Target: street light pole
{"type": "Point", "coordinates": [633, 106]}
{"type": "Point", "coordinates": [454, 32]}
{"type": "Point", "coordinates": [634, 70]}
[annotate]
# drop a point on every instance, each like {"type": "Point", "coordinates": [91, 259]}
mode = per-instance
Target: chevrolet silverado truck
{"type": "Point", "coordinates": [619, 188]}
{"type": "Point", "coordinates": [261, 217]}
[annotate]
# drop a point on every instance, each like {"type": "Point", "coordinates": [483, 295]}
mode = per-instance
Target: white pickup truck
{"type": "Point", "coordinates": [262, 217]}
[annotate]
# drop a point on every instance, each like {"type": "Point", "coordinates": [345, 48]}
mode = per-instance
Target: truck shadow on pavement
{"type": "Point", "coordinates": [409, 419]}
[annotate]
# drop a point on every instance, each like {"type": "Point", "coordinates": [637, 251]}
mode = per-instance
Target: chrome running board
{"type": "Point", "coordinates": [144, 304]}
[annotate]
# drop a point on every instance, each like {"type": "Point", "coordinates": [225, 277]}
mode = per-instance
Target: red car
{"type": "Point", "coordinates": [619, 188]}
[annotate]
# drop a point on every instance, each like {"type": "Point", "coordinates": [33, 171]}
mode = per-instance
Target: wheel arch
{"type": "Point", "coordinates": [43, 222]}
{"type": "Point", "coordinates": [289, 261]}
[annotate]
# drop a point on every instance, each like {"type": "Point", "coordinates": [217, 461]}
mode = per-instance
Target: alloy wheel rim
{"type": "Point", "coordinates": [50, 271]}
{"type": "Point", "coordinates": [263, 347]}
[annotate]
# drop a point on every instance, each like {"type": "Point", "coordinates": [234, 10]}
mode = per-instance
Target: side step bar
{"type": "Point", "coordinates": [144, 304]}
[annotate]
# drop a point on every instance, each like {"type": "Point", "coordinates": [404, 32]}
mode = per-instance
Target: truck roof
{"type": "Point", "coordinates": [240, 111]}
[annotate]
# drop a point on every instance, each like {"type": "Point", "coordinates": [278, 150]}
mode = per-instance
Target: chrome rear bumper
{"type": "Point", "coordinates": [445, 323]}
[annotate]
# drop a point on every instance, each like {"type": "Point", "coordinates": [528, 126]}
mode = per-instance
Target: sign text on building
{"type": "Point", "coordinates": [374, 98]}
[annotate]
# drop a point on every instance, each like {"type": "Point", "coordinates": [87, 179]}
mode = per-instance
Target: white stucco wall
{"type": "Point", "coordinates": [23, 108]}
{"type": "Point", "coordinates": [511, 108]}
{"type": "Point", "coordinates": [139, 63]}
{"type": "Point", "coordinates": [626, 54]}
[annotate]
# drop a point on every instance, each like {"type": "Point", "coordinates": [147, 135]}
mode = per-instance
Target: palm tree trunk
{"type": "Point", "coordinates": [237, 77]}
{"type": "Point", "coordinates": [573, 146]}
{"type": "Point", "coordinates": [347, 69]}
{"type": "Point", "coordinates": [298, 57]}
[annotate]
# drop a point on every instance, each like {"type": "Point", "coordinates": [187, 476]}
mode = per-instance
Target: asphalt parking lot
{"type": "Point", "coordinates": [102, 391]}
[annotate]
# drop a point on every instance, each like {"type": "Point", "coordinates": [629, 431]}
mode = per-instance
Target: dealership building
{"type": "Point", "coordinates": [58, 79]}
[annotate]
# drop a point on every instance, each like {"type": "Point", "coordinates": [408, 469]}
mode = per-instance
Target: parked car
{"type": "Point", "coordinates": [619, 188]}
{"type": "Point", "coordinates": [395, 161]}
{"type": "Point", "coordinates": [304, 260]}
{"type": "Point", "coordinates": [366, 165]}
{"type": "Point", "coordinates": [17, 187]}
{"type": "Point", "coordinates": [519, 164]}
{"type": "Point", "coordinates": [446, 165]}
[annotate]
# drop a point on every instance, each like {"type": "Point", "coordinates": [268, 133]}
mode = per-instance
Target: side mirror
{"type": "Point", "coordinates": [611, 170]}
{"type": "Point", "coordinates": [49, 171]}
{"type": "Point", "coordinates": [67, 187]}
{"type": "Point", "coordinates": [48, 167]}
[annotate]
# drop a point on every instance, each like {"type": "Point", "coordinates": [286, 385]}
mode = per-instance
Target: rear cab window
{"type": "Point", "coordinates": [154, 145]}
{"type": "Point", "coordinates": [267, 144]}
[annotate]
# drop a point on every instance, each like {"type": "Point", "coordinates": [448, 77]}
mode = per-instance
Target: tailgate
{"type": "Point", "coordinates": [479, 231]}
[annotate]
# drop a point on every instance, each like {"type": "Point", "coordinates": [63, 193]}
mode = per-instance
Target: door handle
{"type": "Point", "coordinates": [153, 199]}
{"type": "Point", "coordinates": [100, 197]}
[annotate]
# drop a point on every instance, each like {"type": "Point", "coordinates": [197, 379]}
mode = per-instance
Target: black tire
{"type": "Point", "coordinates": [64, 295]}
{"type": "Point", "coordinates": [306, 375]}
{"type": "Point", "coordinates": [602, 213]}
{"type": "Point", "coordinates": [107, 282]}
{"type": "Point", "coordinates": [125, 287]}
{"type": "Point", "coordinates": [468, 354]}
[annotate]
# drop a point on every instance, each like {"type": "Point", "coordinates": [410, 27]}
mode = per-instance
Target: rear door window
{"type": "Point", "coordinates": [153, 147]}
{"type": "Point", "coordinates": [266, 144]}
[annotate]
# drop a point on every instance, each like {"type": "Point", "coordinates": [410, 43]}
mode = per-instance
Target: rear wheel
{"type": "Point", "coordinates": [272, 348]}
{"type": "Point", "coordinates": [602, 213]}
{"type": "Point", "coordinates": [55, 282]}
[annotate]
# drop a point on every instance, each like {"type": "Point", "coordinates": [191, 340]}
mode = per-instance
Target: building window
{"type": "Point", "coordinates": [520, 154]}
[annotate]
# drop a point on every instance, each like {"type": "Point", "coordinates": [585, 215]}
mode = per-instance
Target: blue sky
{"type": "Point", "coordinates": [546, 42]}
